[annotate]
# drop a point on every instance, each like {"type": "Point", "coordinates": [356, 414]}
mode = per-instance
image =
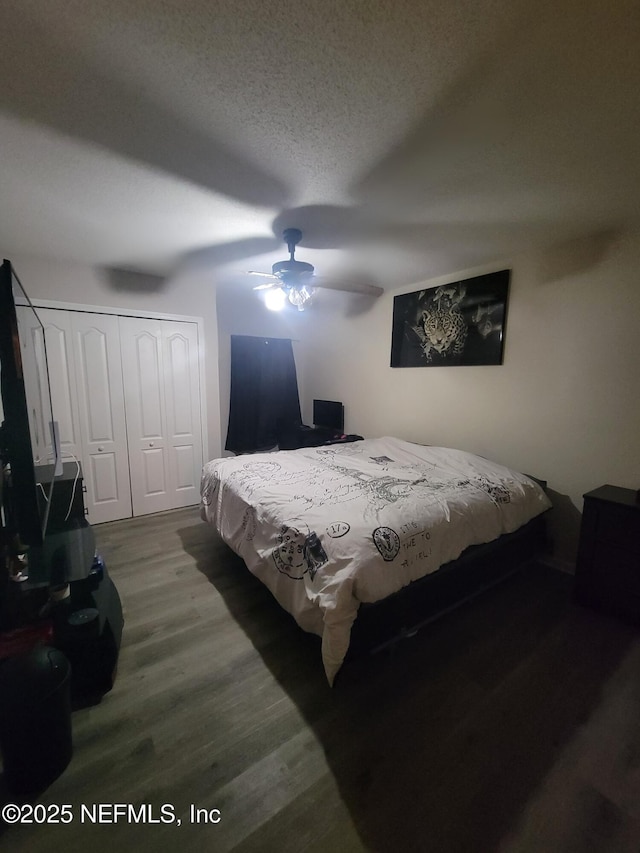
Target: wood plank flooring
{"type": "Point", "coordinates": [511, 725]}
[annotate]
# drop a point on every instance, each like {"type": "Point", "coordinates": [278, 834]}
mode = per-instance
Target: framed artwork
{"type": "Point", "coordinates": [461, 323]}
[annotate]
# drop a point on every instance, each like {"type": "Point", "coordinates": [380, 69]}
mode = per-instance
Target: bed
{"type": "Point", "coordinates": [364, 526]}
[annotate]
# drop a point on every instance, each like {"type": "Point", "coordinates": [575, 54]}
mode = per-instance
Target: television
{"type": "Point", "coordinates": [29, 440]}
{"type": "Point", "coordinates": [328, 414]}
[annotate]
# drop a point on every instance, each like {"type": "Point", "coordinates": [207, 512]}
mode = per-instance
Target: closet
{"type": "Point", "coordinates": [126, 393]}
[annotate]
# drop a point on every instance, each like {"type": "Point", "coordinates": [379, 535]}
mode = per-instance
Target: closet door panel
{"type": "Point", "coordinates": [153, 461]}
{"type": "Point", "coordinates": [103, 475]}
{"type": "Point", "coordinates": [36, 384]}
{"type": "Point", "coordinates": [148, 374]}
{"type": "Point", "coordinates": [184, 465]}
{"type": "Point", "coordinates": [182, 390]}
{"type": "Point", "coordinates": [102, 417]}
{"type": "Point", "coordinates": [62, 376]}
{"type": "Point", "coordinates": [144, 391]}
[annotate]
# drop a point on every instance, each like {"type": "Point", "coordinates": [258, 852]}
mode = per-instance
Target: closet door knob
{"type": "Point", "coordinates": [150, 444]}
{"type": "Point", "coordinates": [100, 449]}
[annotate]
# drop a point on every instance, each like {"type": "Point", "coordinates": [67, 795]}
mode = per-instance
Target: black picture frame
{"type": "Point", "coordinates": [457, 324]}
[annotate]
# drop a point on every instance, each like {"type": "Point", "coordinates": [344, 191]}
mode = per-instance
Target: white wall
{"type": "Point", "coordinates": [564, 406]}
{"type": "Point", "coordinates": [188, 294]}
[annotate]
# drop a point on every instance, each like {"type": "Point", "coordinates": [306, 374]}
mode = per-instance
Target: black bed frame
{"type": "Point", "coordinates": [384, 623]}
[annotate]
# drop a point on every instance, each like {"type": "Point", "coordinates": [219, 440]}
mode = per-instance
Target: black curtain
{"type": "Point", "coordinates": [264, 393]}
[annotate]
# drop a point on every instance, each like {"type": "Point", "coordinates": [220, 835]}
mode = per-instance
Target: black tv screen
{"type": "Point", "coordinates": [328, 414]}
{"type": "Point", "coordinates": [29, 455]}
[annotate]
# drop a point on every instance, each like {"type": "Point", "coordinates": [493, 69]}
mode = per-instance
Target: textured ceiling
{"type": "Point", "coordinates": [406, 139]}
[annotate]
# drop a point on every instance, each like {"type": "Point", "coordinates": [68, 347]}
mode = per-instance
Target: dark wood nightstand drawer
{"type": "Point", "coordinates": [619, 525]}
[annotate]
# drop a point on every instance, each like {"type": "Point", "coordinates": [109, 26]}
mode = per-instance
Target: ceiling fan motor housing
{"type": "Point", "coordinates": [288, 270]}
{"type": "Point", "coordinates": [295, 278]}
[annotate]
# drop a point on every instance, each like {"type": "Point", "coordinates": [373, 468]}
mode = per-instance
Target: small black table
{"type": "Point", "coordinates": [608, 565]}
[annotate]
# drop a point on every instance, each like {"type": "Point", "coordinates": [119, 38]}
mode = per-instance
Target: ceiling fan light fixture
{"type": "Point", "coordinates": [275, 299]}
{"type": "Point", "coordinates": [300, 296]}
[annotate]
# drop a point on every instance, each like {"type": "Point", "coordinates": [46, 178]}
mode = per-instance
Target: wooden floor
{"type": "Point", "coordinates": [511, 725]}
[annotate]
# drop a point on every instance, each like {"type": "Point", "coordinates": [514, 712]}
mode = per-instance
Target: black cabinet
{"type": "Point", "coordinates": [608, 566]}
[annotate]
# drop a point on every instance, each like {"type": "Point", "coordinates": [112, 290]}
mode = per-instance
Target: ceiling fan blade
{"type": "Point", "coordinates": [263, 274]}
{"type": "Point", "coordinates": [348, 286]}
{"type": "Point", "coordinates": [226, 253]}
{"type": "Point", "coordinates": [272, 280]}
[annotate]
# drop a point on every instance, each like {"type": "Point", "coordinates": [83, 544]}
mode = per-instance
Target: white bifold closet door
{"type": "Point", "coordinates": [85, 369]}
{"type": "Point", "coordinates": [101, 413]}
{"type": "Point", "coordinates": [126, 395]}
{"type": "Point", "coordinates": [162, 401]}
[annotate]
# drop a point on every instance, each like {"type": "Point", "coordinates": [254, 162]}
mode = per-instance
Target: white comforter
{"type": "Point", "coordinates": [384, 513]}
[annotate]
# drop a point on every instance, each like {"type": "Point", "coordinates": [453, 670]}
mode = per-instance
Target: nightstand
{"type": "Point", "coordinates": [608, 566]}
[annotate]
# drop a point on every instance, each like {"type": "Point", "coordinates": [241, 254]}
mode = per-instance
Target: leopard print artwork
{"type": "Point", "coordinates": [445, 332]}
{"type": "Point", "coordinates": [443, 328]}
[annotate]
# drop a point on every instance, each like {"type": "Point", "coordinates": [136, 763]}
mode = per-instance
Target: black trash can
{"type": "Point", "coordinates": [35, 719]}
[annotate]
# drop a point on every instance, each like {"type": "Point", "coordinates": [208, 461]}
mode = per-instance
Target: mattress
{"type": "Point", "coordinates": [327, 528]}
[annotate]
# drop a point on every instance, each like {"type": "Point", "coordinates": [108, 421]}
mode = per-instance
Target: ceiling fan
{"type": "Point", "coordinates": [296, 280]}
